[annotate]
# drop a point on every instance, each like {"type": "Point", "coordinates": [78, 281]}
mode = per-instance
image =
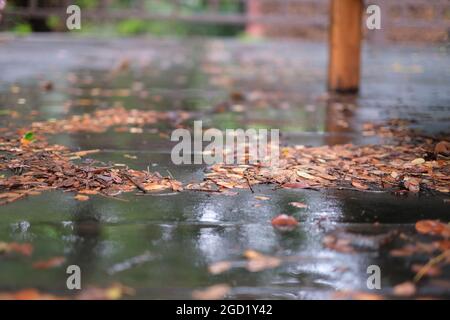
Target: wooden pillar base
{"type": "Point", "coordinates": [345, 45]}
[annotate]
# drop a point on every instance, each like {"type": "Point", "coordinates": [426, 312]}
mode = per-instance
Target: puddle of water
{"type": "Point", "coordinates": [186, 232]}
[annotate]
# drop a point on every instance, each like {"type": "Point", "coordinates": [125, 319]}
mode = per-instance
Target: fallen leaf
{"type": "Point", "coordinates": [442, 148]}
{"type": "Point", "coordinates": [27, 138]}
{"type": "Point", "coordinates": [258, 261]}
{"type": "Point", "coordinates": [300, 205]}
{"type": "Point", "coordinates": [88, 191]}
{"type": "Point", "coordinates": [113, 292]}
{"type": "Point", "coordinates": [418, 161]}
{"type": "Point", "coordinates": [340, 245]}
{"type": "Point", "coordinates": [28, 294]}
{"type": "Point", "coordinates": [433, 227]}
{"type": "Point", "coordinates": [296, 185]}
{"type": "Point", "coordinates": [262, 198]}
{"type": "Point", "coordinates": [284, 221]}
{"type": "Point", "coordinates": [219, 267]}
{"type": "Point", "coordinates": [356, 295]}
{"type": "Point", "coordinates": [405, 289]}
{"type": "Point", "coordinates": [22, 248]}
{"type": "Point", "coordinates": [411, 184]}
{"type": "Point", "coordinates": [305, 175]}
{"type": "Point", "coordinates": [359, 185]}
{"type": "Point", "coordinates": [81, 197]}
{"type": "Point", "coordinates": [215, 292]}
{"type": "Point", "coordinates": [50, 263]}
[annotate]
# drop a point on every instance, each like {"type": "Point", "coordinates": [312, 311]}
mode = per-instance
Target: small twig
{"type": "Point", "coordinates": [249, 185]}
{"type": "Point", "coordinates": [112, 197]}
{"type": "Point", "coordinates": [170, 174]}
{"type": "Point", "coordinates": [430, 264]}
{"type": "Point", "coordinates": [205, 190]}
{"type": "Point", "coordinates": [136, 183]}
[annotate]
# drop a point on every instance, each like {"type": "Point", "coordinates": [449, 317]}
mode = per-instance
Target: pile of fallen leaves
{"type": "Point", "coordinates": [399, 168]}
{"type": "Point", "coordinates": [35, 166]}
{"type": "Point", "coordinates": [103, 119]}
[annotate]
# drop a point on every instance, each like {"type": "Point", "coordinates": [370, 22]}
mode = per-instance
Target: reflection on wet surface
{"type": "Point", "coordinates": [283, 86]}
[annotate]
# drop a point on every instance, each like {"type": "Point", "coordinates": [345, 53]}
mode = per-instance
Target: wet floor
{"type": "Point", "coordinates": [182, 234]}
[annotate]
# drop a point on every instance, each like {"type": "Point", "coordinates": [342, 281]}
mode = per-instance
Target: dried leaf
{"type": "Point", "coordinates": [296, 185]}
{"type": "Point", "coordinates": [305, 175]}
{"type": "Point", "coordinates": [359, 185]}
{"type": "Point", "coordinates": [219, 267]}
{"type": "Point", "coordinates": [259, 262]}
{"type": "Point", "coordinates": [284, 221]}
{"type": "Point", "coordinates": [28, 294]}
{"type": "Point", "coordinates": [50, 263]}
{"type": "Point", "coordinates": [433, 227]}
{"type": "Point", "coordinates": [25, 249]}
{"type": "Point", "coordinates": [418, 161]}
{"type": "Point", "coordinates": [406, 289]}
{"type": "Point", "coordinates": [81, 197]}
{"type": "Point", "coordinates": [114, 292]}
{"type": "Point", "coordinates": [300, 205]}
{"type": "Point", "coordinates": [215, 292]}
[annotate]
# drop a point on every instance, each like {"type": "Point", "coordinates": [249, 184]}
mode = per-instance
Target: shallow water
{"type": "Point", "coordinates": [185, 232]}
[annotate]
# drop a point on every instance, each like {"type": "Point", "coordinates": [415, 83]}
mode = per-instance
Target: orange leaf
{"type": "Point", "coordinates": [433, 227]}
{"type": "Point", "coordinates": [50, 263]}
{"type": "Point", "coordinates": [284, 220]}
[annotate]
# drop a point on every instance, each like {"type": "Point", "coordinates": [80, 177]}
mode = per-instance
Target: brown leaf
{"type": "Point", "coordinates": [215, 292]}
{"type": "Point", "coordinates": [296, 185]}
{"type": "Point", "coordinates": [284, 221]}
{"type": "Point", "coordinates": [28, 294]}
{"type": "Point", "coordinates": [357, 295]}
{"type": "Point", "coordinates": [113, 292]}
{"type": "Point", "coordinates": [443, 148]}
{"type": "Point", "coordinates": [305, 175]}
{"type": "Point", "coordinates": [433, 227]}
{"type": "Point", "coordinates": [258, 261]}
{"type": "Point", "coordinates": [50, 263]}
{"type": "Point", "coordinates": [405, 289]}
{"type": "Point", "coordinates": [219, 267]}
{"type": "Point", "coordinates": [22, 248]}
{"type": "Point", "coordinates": [340, 245]}
{"type": "Point", "coordinates": [81, 197]}
{"type": "Point", "coordinates": [300, 205]}
{"type": "Point", "coordinates": [359, 185]}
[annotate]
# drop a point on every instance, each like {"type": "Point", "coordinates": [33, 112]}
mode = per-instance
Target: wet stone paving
{"type": "Point", "coordinates": [191, 244]}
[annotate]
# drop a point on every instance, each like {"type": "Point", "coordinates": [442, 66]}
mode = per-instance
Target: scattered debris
{"type": "Point", "coordinates": [367, 168]}
{"type": "Point", "coordinates": [39, 166]}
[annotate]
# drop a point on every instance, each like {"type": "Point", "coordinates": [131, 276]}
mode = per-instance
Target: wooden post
{"type": "Point", "coordinates": [345, 45]}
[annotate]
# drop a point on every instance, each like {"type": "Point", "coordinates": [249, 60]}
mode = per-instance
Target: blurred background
{"type": "Point", "coordinates": [406, 20]}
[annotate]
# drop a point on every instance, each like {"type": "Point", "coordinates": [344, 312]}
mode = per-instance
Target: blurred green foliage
{"type": "Point", "coordinates": [22, 28]}
{"type": "Point", "coordinates": [135, 26]}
